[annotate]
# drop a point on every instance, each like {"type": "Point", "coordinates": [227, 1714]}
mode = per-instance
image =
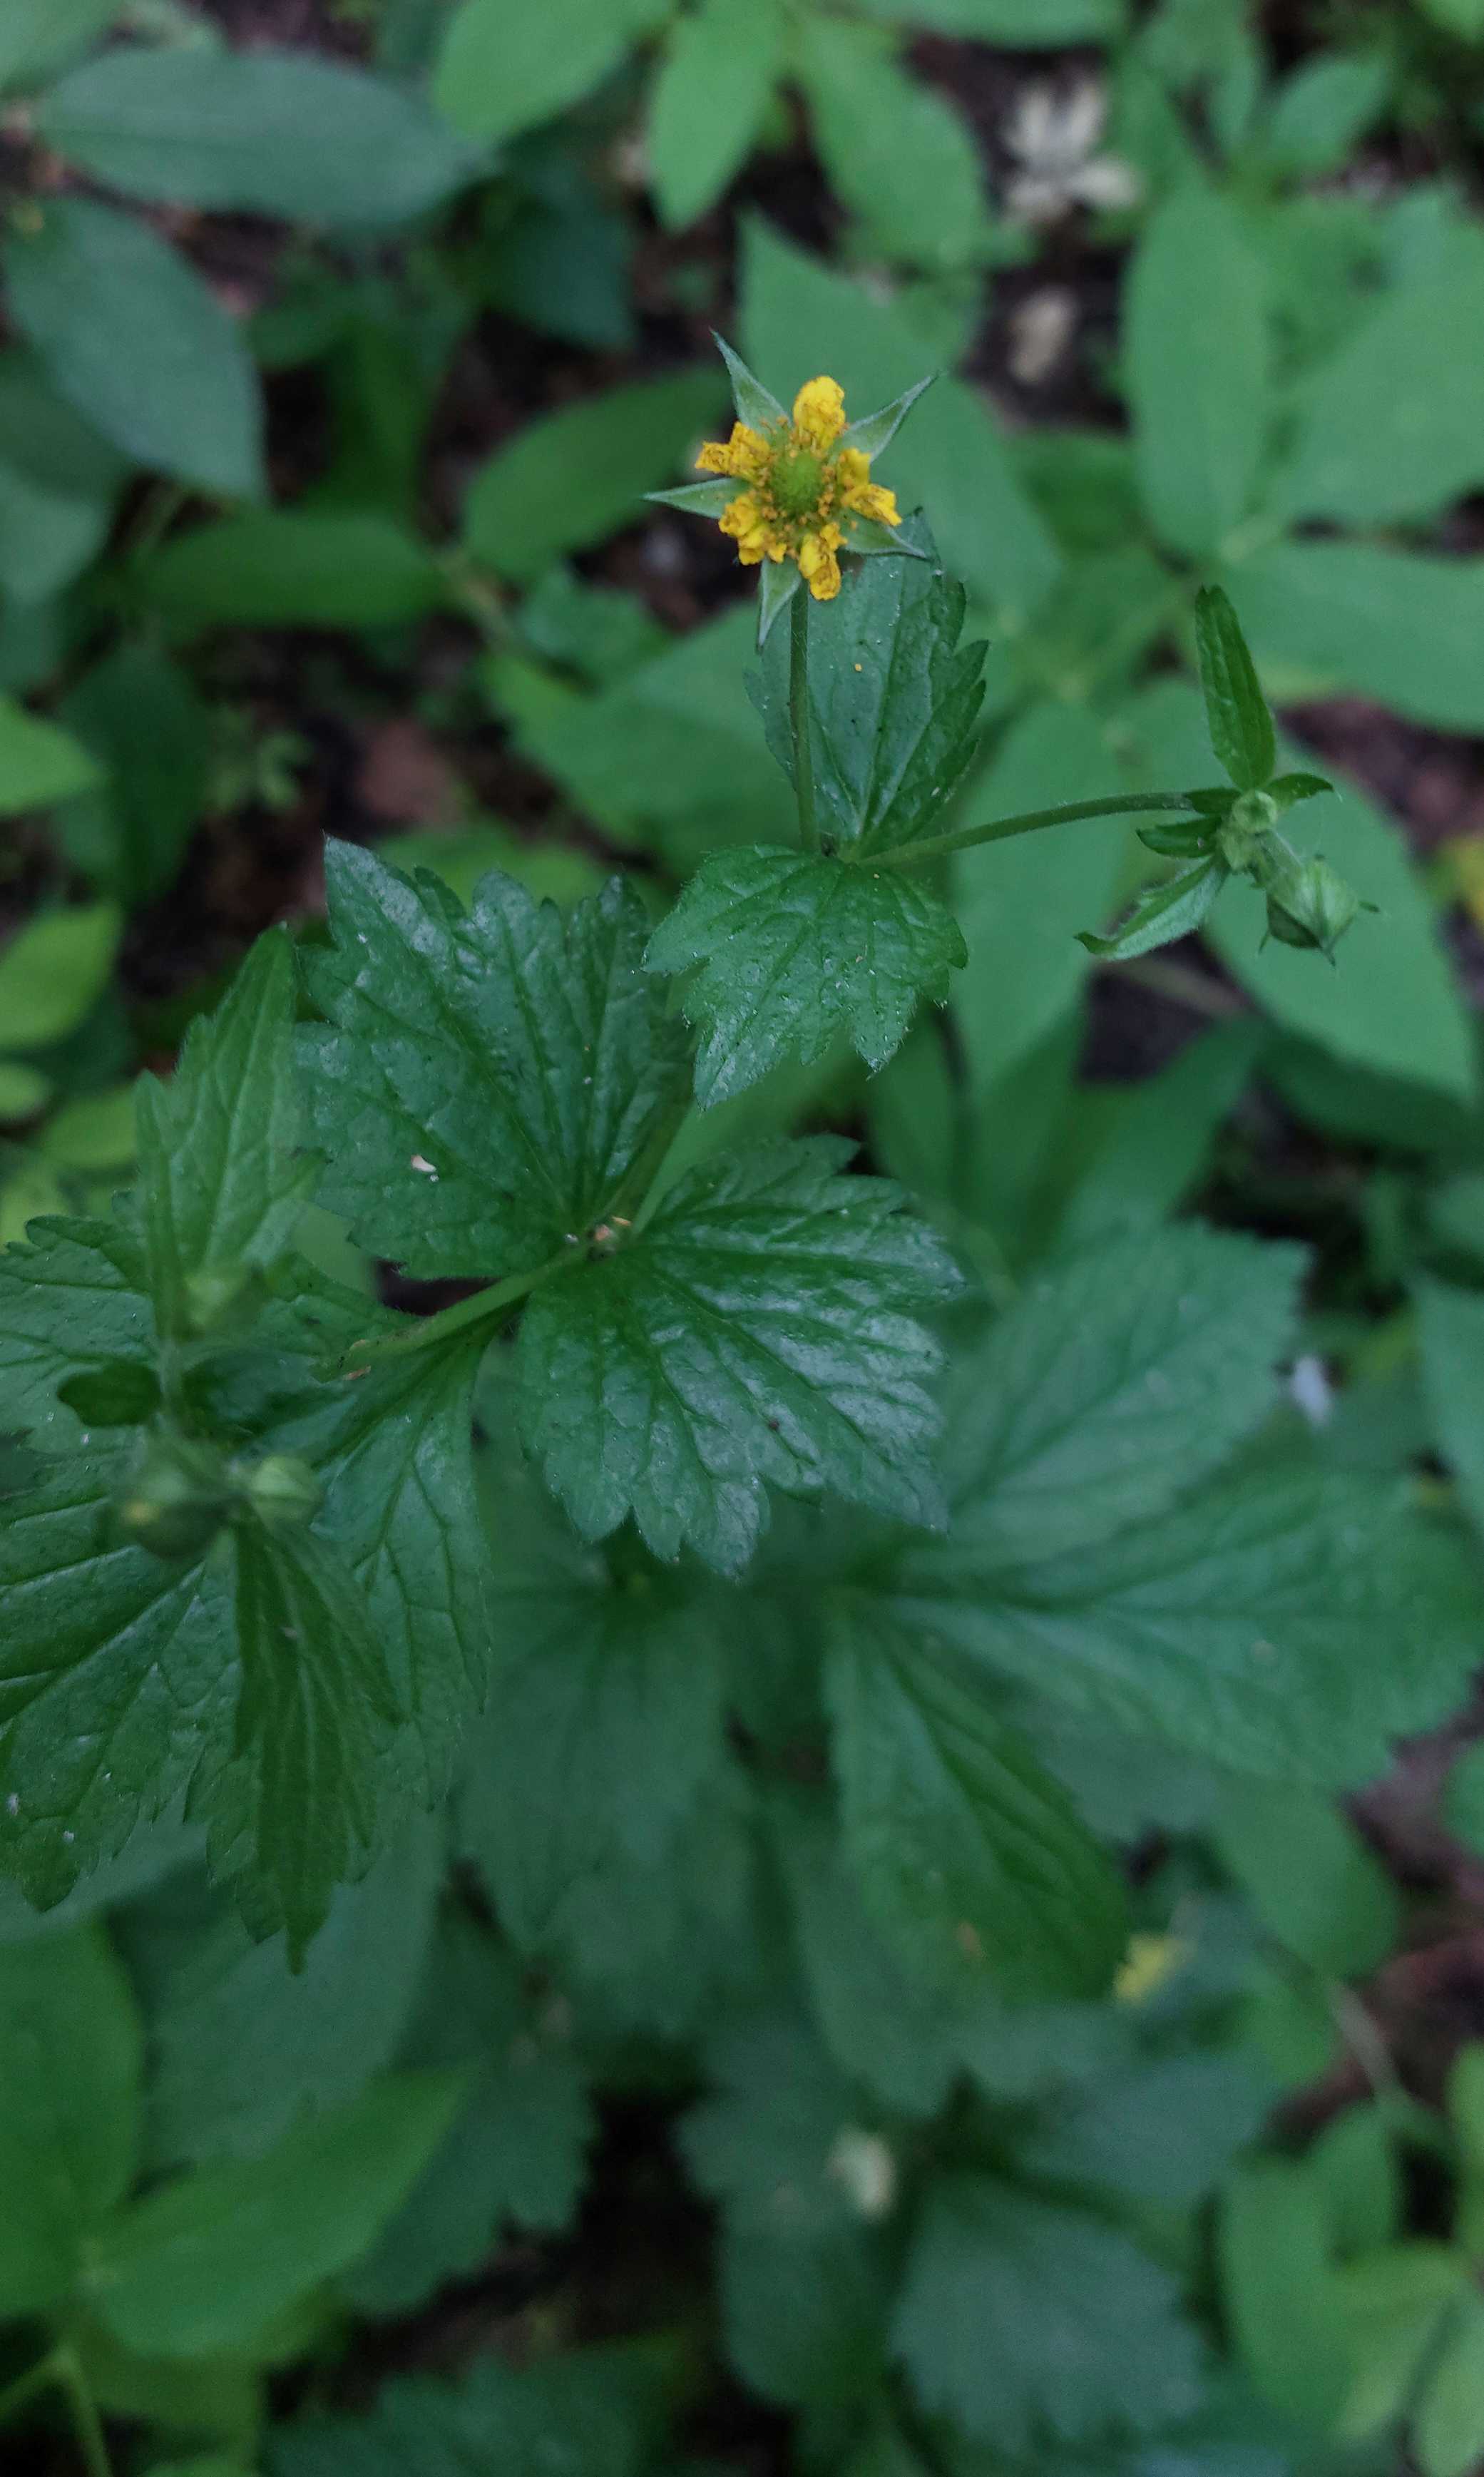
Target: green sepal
{"type": "Point", "coordinates": [1286, 791]}
{"type": "Point", "coordinates": [1180, 837]}
{"type": "Point", "coordinates": [1240, 725]}
{"type": "Point", "coordinates": [1161, 916]}
{"type": "Point", "coordinates": [754, 406]}
{"type": "Point", "coordinates": [875, 432]}
{"type": "Point", "coordinates": [867, 538]}
{"type": "Point", "coordinates": [780, 582]}
{"type": "Point", "coordinates": [699, 498]}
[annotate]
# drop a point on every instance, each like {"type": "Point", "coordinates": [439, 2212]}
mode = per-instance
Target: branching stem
{"type": "Point", "coordinates": [998, 830]}
{"type": "Point", "coordinates": [426, 1332]}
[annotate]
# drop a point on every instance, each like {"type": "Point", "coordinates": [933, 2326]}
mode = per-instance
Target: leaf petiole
{"type": "Point", "coordinates": [425, 1333]}
{"type": "Point", "coordinates": [1130, 804]}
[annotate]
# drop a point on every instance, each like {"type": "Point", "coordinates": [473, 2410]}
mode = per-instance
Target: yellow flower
{"type": "Point", "coordinates": [800, 483]}
{"type": "Point", "coordinates": [1149, 1960]}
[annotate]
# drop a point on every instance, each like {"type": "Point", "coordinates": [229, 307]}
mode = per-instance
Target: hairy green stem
{"type": "Point", "coordinates": [41, 2377]}
{"type": "Point", "coordinates": [86, 2423]}
{"type": "Point", "coordinates": [1131, 804]}
{"type": "Point", "coordinates": [799, 719]}
{"type": "Point", "coordinates": [426, 1333]}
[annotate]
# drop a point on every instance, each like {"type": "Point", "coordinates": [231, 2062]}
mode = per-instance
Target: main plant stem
{"type": "Point", "coordinates": [799, 719]}
{"type": "Point", "coordinates": [998, 830]}
{"type": "Point", "coordinates": [86, 2423]}
{"type": "Point", "coordinates": [61, 2371]}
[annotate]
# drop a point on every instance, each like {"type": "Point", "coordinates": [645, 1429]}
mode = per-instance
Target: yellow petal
{"type": "Point", "coordinates": [819, 413]}
{"type": "Point", "coordinates": [744, 454]}
{"type": "Point", "coordinates": [819, 566]}
{"type": "Point", "coordinates": [741, 516]}
{"type": "Point", "coordinates": [873, 501]}
{"type": "Point", "coordinates": [859, 493]}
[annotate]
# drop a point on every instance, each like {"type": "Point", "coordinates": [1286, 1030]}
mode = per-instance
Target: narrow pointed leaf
{"type": "Point", "coordinates": [1241, 726]}
{"type": "Point", "coordinates": [1167, 912]}
{"type": "Point", "coordinates": [295, 1812]}
{"type": "Point", "coordinates": [222, 1180]}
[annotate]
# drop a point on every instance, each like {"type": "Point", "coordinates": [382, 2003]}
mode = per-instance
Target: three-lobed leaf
{"type": "Point", "coordinates": [491, 1079]}
{"type": "Point", "coordinates": [756, 1331]}
{"type": "Point", "coordinates": [796, 951]}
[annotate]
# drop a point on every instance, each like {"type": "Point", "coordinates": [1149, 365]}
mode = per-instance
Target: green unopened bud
{"type": "Point", "coordinates": [175, 1497]}
{"type": "Point", "coordinates": [1251, 818]}
{"type": "Point", "coordinates": [283, 1493]}
{"type": "Point", "coordinates": [1309, 905]}
{"type": "Point", "coordinates": [220, 1294]}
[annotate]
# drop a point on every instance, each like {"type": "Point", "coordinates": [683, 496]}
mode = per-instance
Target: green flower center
{"type": "Point", "coordinates": [796, 482]}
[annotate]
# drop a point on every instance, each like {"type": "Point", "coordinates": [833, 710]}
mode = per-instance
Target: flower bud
{"type": "Point", "coordinates": [1309, 905]}
{"type": "Point", "coordinates": [175, 1497]}
{"type": "Point", "coordinates": [221, 1296]}
{"type": "Point", "coordinates": [1250, 820]}
{"type": "Point", "coordinates": [283, 1493]}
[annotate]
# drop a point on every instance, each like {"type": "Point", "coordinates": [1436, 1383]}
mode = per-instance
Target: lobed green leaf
{"type": "Point", "coordinates": [753, 1332]}
{"type": "Point", "coordinates": [796, 951]}
{"type": "Point", "coordinates": [493, 1078]}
